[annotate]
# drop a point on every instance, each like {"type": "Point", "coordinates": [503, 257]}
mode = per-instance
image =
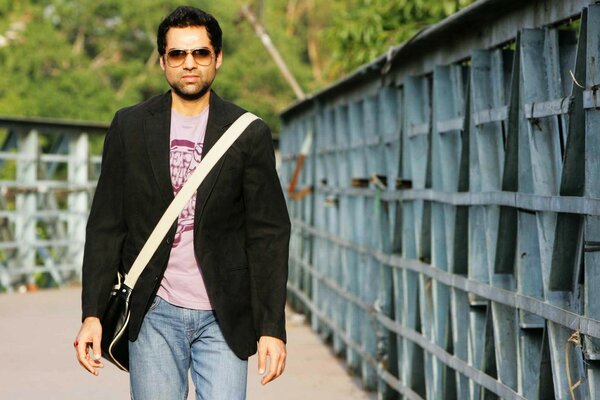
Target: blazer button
{"type": "Point", "coordinates": [169, 241]}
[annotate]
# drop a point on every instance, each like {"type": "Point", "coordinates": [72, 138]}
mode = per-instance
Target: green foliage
{"type": "Point", "coordinates": [84, 59]}
{"type": "Point", "coordinates": [367, 28]}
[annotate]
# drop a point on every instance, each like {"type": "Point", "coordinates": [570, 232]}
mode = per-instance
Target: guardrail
{"type": "Point", "coordinates": [48, 175]}
{"type": "Point", "coordinates": [450, 247]}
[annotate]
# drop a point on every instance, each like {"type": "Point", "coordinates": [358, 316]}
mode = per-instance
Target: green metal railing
{"type": "Point", "coordinates": [450, 246]}
{"type": "Point", "coordinates": [48, 174]}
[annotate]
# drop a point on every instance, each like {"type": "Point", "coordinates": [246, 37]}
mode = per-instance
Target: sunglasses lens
{"type": "Point", "coordinates": [176, 57]}
{"type": "Point", "coordinates": [202, 56]}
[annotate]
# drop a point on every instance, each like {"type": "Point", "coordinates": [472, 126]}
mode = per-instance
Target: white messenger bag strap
{"type": "Point", "coordinates": [185, 194]}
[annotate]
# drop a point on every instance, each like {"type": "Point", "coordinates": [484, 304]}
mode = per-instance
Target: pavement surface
{"type": "Point", "coordinates": [37, 359]}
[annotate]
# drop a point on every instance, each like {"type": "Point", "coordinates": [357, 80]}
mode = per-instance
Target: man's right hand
{"type": "Point", "coordinates": [89, 335]}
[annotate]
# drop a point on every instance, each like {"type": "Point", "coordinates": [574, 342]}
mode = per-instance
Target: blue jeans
{"type": "Point", "coordinates": [171, 341]}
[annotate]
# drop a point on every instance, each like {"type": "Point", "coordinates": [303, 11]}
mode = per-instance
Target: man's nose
{"type": "Point", "coordinates": [189, 62]}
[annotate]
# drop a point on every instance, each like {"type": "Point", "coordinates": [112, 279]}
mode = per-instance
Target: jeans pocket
{"type": "Point", "coordinates": [155, 303]}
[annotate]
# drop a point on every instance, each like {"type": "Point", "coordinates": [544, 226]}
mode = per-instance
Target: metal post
{"type": "Point", "coordinates": [268, 43]}
{"type": "Point", "coordinates": [25, 222]}
{"type": "Point", "coordinates": [78, 198]}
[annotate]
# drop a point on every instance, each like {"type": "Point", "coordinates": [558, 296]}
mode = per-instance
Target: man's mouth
{"type": "Point", "coordinates": [190, 78]}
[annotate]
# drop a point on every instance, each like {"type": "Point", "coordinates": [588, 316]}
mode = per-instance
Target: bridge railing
{"type": "Point", "coordinates": [450, 247]}
{"type": "Point", "coordinates": [48, 171]}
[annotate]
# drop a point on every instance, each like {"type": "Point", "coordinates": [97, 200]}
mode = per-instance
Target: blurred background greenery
{"type": "Point", "coordinates": [84, 59]}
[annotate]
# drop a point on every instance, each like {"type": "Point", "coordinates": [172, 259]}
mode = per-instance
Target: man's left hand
{"type": "Point", "coordinates": [274, 348]}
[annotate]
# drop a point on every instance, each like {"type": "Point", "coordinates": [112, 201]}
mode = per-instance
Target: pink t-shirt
{"type": "Point", "coordinates": [182, 284]}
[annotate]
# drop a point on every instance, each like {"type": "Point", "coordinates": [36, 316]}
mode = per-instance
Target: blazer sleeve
{"type": "Point", "coordinates": [106, 230]}
{"type": "Point", "coordinates": [267, 234]}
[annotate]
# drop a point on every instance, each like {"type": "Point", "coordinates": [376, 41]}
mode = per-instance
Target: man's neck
{"type": "Point", "coordinates": [190, 107]}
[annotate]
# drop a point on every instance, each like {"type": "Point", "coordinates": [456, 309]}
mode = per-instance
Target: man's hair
{"type": "Point", "coordinates": [184, 17]}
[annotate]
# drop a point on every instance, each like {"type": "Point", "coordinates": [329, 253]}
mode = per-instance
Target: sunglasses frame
{"type": "Point", "coordinates": [170, 63]}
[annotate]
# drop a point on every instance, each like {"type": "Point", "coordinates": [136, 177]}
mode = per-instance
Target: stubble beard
{"type": "Point", "coordinates": [193, 94]}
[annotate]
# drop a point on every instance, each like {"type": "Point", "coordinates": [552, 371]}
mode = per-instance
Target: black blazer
{"type": "Point", "coordinates": [241, 230]}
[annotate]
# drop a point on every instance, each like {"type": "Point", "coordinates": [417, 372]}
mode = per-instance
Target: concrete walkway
{"type": "Point", "coordinates": [37, 359]}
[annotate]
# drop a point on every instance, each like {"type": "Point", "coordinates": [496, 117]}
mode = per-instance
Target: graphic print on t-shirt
{"type": "Point", "coordinates": [185, 156]}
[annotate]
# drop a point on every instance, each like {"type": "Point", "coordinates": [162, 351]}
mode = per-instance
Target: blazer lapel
{"type": "Point", "coordinates": [157, 129]}
{"type": "Point", "coordinates": [219, 119]}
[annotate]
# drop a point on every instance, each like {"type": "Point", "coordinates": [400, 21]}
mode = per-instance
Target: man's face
{"type": "Point", "coordinates": [190, 81]}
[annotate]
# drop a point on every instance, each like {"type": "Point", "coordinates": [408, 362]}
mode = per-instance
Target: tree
{"type": "Point", "coordinates": [84, 59]}
{"type": "Point", "coordinates": [367, 28]}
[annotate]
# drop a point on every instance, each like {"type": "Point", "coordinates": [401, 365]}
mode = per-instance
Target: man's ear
{"type": "Point", "coordinates": [219, 60]}
{"type": "Point", "coordinates": [162, 62]}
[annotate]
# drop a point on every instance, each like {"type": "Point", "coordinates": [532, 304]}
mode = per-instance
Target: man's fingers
{"type": "Point", "coordinates": [273, 349]}
{"type": "Point", "coordinates": [87, 345]}
{"type": "Point", "coordinates": [262, 360]}
{"type": "Point", "coordinates": [281, 365]}
{"type": "Point", "coordinates": [97, 363]}
{"type": "Point", "coordinates": [86, 365]}
{"type": "Point", "coordinates": [268, 378]}
{"type": "Point", "coordinates": [276, 367]}
{"type": "Point", "coordinates": [97, 352]}
{"type": "Point", "coordinates": [84, 358]}
{"type": "Point", "coordinates": [81, 351]}
{"type": "Point", "coordinates": [272, 371]}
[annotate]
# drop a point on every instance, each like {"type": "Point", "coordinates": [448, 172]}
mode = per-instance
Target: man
{"type": "Point", "coordinates": [217, 283]}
